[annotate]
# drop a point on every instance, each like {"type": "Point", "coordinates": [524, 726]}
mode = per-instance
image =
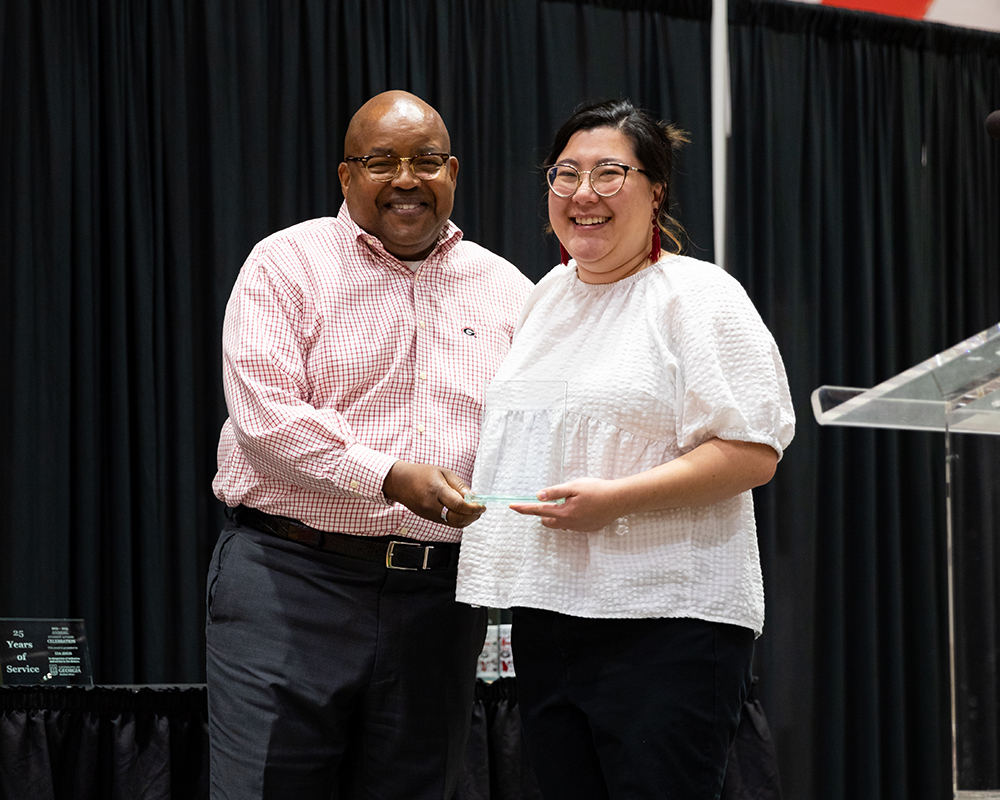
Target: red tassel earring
{"type": "Point", "coordinates": [563, 255]}
{"type": "Point", "coordinates": [654, 254]}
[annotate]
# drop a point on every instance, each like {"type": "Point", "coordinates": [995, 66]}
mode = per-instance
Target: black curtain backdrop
{"type": "Point", "coordinates": [146, 146]}
{"type": "Point", "coordinates": [864, 200]}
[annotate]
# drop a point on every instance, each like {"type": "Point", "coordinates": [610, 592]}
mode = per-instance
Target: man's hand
{"type": "Point", "coordinates": [431, 492]}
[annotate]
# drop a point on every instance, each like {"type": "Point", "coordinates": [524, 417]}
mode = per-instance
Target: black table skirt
{"type": "Point", "coordinates": [151, 742]}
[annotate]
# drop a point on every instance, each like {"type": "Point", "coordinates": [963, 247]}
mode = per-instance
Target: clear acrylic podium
{"type": "Point", "coordinates": [956, 391]}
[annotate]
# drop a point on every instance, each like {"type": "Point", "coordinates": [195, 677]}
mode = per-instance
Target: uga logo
{"type": "Point", "coordinates": [468, 331]}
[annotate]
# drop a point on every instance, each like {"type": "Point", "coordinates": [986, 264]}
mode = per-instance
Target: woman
{"type": "Point", "coordinates": [636, 600]}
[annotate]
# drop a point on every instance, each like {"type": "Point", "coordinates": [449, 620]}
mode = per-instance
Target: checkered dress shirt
{"type": "Point", "coordinates": [338, 360]}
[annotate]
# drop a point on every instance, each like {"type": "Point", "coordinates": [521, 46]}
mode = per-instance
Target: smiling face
{"type": "Point", "coordinates": [406, 213]}
{"type": "Point", "coordinates": [609, 237]}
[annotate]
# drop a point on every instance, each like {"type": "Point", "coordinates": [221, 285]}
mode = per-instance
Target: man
{"type": "Point", "coordinates": [356, 351]}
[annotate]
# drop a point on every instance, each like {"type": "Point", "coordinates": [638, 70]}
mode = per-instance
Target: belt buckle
{"type": "Point", "coordinates": [388, 555]}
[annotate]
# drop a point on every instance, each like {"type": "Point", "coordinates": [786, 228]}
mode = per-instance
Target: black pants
{"type": "Point", "coordinates": [631, 708]}
{"type": "Point", "coordinates": [330, 676]}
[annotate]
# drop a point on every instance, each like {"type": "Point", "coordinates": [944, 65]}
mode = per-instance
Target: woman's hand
{"type": "Point", "coordinates": [591, 504]}
{"type": "Point", "coordinates": [711, 473]}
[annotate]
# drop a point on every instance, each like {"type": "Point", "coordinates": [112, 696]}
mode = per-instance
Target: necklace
{"type": "Point", "coordinates": [637, 268]}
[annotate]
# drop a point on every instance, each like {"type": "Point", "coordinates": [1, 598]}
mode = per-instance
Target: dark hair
{"type": "Point", "coordinates": [655, 144]}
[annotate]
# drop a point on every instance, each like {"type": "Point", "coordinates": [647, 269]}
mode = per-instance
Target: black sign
{"type": "Point", "coordinates": [46, 651]}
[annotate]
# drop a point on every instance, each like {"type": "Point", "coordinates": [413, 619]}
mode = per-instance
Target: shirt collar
{"type": "Point", "coordinates": [450, 235]}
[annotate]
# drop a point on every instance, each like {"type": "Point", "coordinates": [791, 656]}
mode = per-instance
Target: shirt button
{"type": "Point", "coordinates": [403, 531]}
{"type": "Point", "coordinates": [420, 428]}
{"type": "Point", "coordinates": [354, 484]}
{"type": "Point", "coordinates": [423, 376]}
{"type": "Point", "coordinates": [422, 324]}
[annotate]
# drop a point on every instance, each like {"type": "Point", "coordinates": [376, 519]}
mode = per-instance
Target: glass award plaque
{"type": "Point", "coordinates": [52, 652]}
{"type": "Point", "coordinates": [521, 441]}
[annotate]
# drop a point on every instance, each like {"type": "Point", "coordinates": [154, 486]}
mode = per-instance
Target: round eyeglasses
{"type": "Point", "coordinates": [605, 179]}
{"type": "Point", "coordinates": [382, 169]}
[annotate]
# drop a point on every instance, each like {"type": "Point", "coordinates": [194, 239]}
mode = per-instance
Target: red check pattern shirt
{"type": "Point", "coordinates": [338, 361]}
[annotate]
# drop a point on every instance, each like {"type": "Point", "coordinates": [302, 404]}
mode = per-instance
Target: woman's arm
{"type": "Point", "coordinates": [714, 471]}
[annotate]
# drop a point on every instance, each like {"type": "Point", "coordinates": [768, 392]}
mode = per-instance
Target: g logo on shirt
{"type": "Point", "coordinates": [468, 331]}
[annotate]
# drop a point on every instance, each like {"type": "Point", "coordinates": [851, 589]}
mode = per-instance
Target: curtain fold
{"type": "Point", "coordinates": [104, 743]}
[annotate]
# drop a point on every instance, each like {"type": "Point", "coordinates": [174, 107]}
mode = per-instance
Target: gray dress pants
{"type": "Point", "coordinates": [333, 677]}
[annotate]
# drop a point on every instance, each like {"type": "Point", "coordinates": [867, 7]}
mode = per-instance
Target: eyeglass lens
{"type": "Point", "coordinates": [385, 168]}
{"type": "Point", "coordinates": [606, 179]}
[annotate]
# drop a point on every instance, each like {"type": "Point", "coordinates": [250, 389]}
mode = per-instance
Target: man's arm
{"type": "Point", "coordinates": [282, 435]}
{"type": "Point", "coordinates": [268, 323]}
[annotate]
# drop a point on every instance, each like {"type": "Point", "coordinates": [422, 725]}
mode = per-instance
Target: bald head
{"type": "Point", "coordinates": [407, 213]}
{"type": "Point", "coordinates": [393, 108]}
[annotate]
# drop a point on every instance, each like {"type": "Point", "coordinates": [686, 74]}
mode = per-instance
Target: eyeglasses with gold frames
{"type": "Point", "coordinates": [605, 179]}
{"type": "Point", "coordinates": [382, 169]}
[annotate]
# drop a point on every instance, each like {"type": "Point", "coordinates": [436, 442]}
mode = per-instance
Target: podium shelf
{"type": "Point", "coordinates": [958, 390]}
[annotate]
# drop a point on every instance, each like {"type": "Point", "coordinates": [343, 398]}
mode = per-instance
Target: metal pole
{"type": "Point", "coordinates": [721, 122]}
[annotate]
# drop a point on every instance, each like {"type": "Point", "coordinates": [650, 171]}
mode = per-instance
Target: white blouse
{"type": "Point", "coordinates": [655, 365]}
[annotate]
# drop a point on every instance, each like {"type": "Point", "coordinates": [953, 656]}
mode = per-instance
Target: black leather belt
{"type": "Point", "coordinates": [394, 552]}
